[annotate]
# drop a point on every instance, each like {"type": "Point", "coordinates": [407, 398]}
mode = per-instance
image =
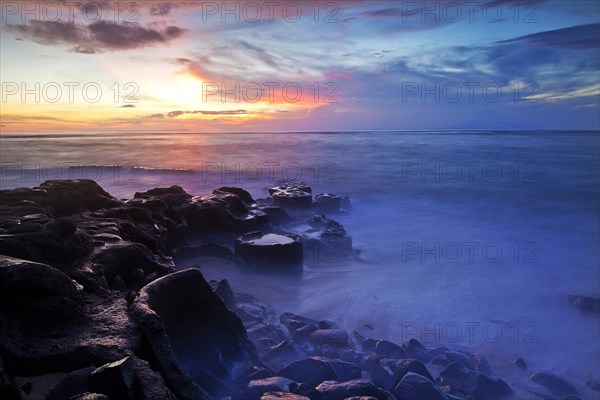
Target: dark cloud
{"type": "Point", "coordinates": [181, 61]}
{"type": "Point", "coordinates": [175, 114]}
{"type": "Point", "coordinates": [161, 9]}
{"type": "Point", "coordinates": [575, 37]}
{"type": "Point", "coordinates": [94, 38]}
{"type": "Point", "coordinates": [128, 106]}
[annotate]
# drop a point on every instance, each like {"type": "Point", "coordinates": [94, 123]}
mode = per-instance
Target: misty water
{"type": "Point", "coordinates": [470, 239]}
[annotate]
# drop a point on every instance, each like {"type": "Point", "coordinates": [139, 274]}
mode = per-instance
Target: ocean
{"type": "Point", "coordinates": [469, 239]}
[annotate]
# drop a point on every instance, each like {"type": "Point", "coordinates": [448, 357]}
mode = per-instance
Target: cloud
{"type": "Point", "coordinates": [97, 37]}
{"type": "Point", "coordinates": [574, 37]}
{"type": "Point", "coordinates": [128, 106]}
{"type": "Point", "coordinates": [177, 113]}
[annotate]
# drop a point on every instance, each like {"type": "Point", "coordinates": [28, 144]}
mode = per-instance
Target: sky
{"type": "Point", "coordinates": [262, 66]}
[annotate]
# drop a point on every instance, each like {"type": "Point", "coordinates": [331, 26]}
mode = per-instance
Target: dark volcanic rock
{"type": "Point", "coordinates": [49, 245]}
{"type": "Point", "coordinates": [331, 337]}
{"type": "Point", "coordinates": [473, 383]}
{"type": "Point", "coordinates": [388, 349]}
{"type": "Point", "coordinates": [292, 195]}
{"type": "Point", "coordinates": [283, 395]}
{"type": "Point", "coordinates": [327, 202]}
{"type": "Point", "coordinates": [37, 292]}
{"type": "Point", "coordinates": [558, 386]}
{"type": "Point", "coordinates": [122, 259]}
{"type": "Point", "coordinates": [273, 252]}
{"type": "Point", "coordinates": [417, 387]}
{"type": "Point", "coordinates": [315, 370]}
{"type": "Point", "coordinates": [183, 321]}
{"type": "Point", "coordinates": [241, 193]}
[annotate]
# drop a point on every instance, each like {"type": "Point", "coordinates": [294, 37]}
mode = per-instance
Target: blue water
{"type": "Point", "coordinates": [467, 238]}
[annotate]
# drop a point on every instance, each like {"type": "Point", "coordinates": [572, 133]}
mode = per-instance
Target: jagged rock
{"type": "Point", "coordinates": [519, 362]}
{"type": "Point", "coordinates": [414, 349]}
{"type": "Point", "coordinates": [557, 385]}
{"type": "Point", "coordinates": [183, 321]}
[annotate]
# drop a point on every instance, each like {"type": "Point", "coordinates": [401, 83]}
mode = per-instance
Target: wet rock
{"type": "Point", "coordinates": [184, 321]}
{"type": "Point", "coordinates": [315, 370]}
{"type": "Point", "coordinates": [37, 292]}
{"type": "Point", "coordinates": [292, 195]}
{"type": "Point", "coordinates": [461, 358]}
{"type": "Point", "coordinates": [390, 350]}
{"type": "Point", "coordinates": [282, 354]}
{"type": "Point", "coordinates": [277, 215]}
{"type": "Point", "coordinates": [308, 371]}
{"type": "Point", "coordinates": [273, 252]}
{"type": "Point", "coordinates": [586, 303]}
{"type": "Point", "coordinates": [414, 349]}
{"type": "Point", "coordinates": [268, 335]}
{"type": "Point", "coordinates": [327, 202]}
{"type": "Point", "coordinates": [558, 386]}
{"type": "Point", "coordinates": [402, 367]}
{"type": "Point", "coordinates": [326, 242]}
{"type": "Point", "coordinates": [305, 390]}
{"type": "Point", "coordinates": [239, 192]}
{"type": "Point", "coordinates": [330, 337]}
{"type": "Point", "coordinates": [468, 382]}
{"type": "Point", "coordinates": [255, 389]}
{"type": "Point", "coordinates": [133, 233]}
{"type": "Point", "coordinates": [295, 322]}
{"type": "Point", "coordinates": [358, 387]}
{"type": "Point", "coordinates": [114, 379]}
{"type": "Point", "coordinates": [416, 387]}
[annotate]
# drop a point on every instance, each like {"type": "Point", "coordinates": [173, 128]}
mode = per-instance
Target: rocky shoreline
{"type": "Point", "coordinates": [93, 306]}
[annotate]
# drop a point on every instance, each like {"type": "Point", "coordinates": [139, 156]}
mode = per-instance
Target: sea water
{"type": "Point", "coordinates": [469, 239]}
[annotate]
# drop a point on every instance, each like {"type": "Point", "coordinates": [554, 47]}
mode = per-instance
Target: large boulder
{"type": "Point", "coordinates": [417, 387]}
{"type": "Point", "coordinates": [185, 323]}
